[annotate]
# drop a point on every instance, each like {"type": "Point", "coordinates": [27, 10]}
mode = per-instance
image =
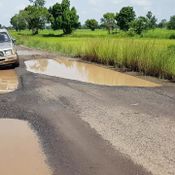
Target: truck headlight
{"type": "Point", "coordinates": [8, 52]}
{"type": "Point", "coordinates": [1, 54]}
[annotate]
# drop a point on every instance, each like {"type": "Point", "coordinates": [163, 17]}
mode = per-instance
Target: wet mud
{"type": "Point", "coordinates": [84, 72]}
{"type": "Point", "coordinates": [20, 150]}
{"type": "Point", "coordinates": [8, 81]}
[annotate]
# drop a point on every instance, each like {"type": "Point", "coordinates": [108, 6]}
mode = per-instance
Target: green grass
{"type": "Point", "coordinates": [159, 33]}
{"type": "Point", "coordinates": [151, 56]}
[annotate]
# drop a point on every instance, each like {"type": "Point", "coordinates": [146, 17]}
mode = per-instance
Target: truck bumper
{"type": "Point", "coordinates": [12, 59]}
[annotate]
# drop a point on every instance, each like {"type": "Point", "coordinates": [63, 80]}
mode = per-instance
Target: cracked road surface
{"type": "Point", "coordinates": [86, 129]}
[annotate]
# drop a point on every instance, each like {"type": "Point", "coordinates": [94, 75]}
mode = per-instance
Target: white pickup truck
{"type": "Point", "coordinates": [8, 52]}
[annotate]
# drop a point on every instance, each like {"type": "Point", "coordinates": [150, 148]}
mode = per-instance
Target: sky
{"type": "Point", "coordinates": [88, 9]}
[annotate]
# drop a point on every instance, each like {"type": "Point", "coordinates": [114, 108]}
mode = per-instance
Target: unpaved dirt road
{"type": "Point", "coordinates": [86, 129]}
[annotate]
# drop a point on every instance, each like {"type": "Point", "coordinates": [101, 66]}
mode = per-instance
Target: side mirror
{"type": "Point", "coordinates": [13, 40]}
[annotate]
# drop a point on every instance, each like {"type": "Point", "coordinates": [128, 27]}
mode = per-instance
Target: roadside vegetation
{"type": "Point", "coordinates": [150, 56]}
{"type": "Point", "coordinates": [120, 39]}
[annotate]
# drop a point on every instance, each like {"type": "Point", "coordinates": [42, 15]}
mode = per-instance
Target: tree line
{"type": "Point", "coordinates": [62, 16]}
{"type": "Point", "coordinates": [36, 16]}
{"type": "Point", "coordinates": [126, 20]}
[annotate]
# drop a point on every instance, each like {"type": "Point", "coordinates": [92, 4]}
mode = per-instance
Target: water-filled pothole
{"type": "Point", "coordinates": [8, 81]}
{"type": "Point", "coordinates": [20, 151]}
{"type": "Point", "coordinates": [74, 70]}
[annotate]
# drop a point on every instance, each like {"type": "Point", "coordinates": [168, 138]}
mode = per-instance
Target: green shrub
{"type": "Point", "coordinates": [172, 36]}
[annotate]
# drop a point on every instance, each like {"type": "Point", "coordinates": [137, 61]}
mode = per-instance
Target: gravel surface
{"type": "Point", "coordinates": [147, 137]}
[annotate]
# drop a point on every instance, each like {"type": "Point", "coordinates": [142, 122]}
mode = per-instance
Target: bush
{"type": "Point", "coordinates": [172, 36]}
{"type": "Point", "coordinates": [131, 32]}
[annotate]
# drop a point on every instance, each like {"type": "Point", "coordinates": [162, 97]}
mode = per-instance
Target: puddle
{"type": "Point", "coordinates": [8, 81]}
{"type": "Point", "coordinates": [20, 151]}
{"type": "Point", "coordinates": [74, 70]}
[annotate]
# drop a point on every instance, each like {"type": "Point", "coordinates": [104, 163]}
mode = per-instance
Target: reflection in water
{"type": "Point", "coordinates": [20, 152]}
{"type": "Point", "coordinates": [8, 81]}
{"type": "Point", "coordinates": [84, 72]}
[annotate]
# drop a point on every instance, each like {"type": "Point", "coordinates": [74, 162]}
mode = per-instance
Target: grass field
{"type": "Point", "coordinates": [160, 34]}
{"type": "Point", "coordinates": [153, 54]}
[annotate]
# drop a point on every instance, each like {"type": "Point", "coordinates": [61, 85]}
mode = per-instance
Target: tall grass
{"type": "Point", "coordinates": [160, 34]}
{"type": "Point", "coordinates": [150, 56]}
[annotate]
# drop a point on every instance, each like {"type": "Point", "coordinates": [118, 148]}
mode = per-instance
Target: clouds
{"type": "Point", "coordinates": [8, 8]}
{"type": "Point", "coordinates": [95, 8]}
{"type": "Point", "coordinates": [143, 3]}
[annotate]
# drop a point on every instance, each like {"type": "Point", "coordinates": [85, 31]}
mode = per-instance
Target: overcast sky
{"type": "Point", "coordinates": [95, 8]}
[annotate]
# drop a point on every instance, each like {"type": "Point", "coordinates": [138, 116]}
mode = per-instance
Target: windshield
{"type": "Point", "coordinates": [4, 37]}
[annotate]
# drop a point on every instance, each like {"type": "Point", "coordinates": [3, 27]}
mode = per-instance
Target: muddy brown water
{"type": "Point", "coordinates": [84, 72]}
{"type": "Point", "coordinates": [20, 151]}
{"type": "Point", "coordinates": [8, 81]}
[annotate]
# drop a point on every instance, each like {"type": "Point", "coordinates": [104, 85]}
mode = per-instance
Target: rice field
{"type": "Point", "coordinates": [147, 55]}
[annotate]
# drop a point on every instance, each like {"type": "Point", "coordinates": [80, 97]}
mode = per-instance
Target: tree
{"type": "Point", "coordinates": [56, 16]}
{"type": "Point", "coordinates": [151, 20]}
{"type": "Point", "coordinates": [36, 18]}
{"type": "Point", "coordinates": [18, 21]}
{"type": "Point", "coordinates": [142, 23]}
{"type": "Point", "coordinates": [125, 17]}
{"type": "Point", "coordinates": [139, 25]}
{"type": "Point", "coordinates": [65, 5]}
{"type": "Point", "coordinates": [0, 26]}
{"type": "Point", "coordinates": [70, 20]}
{"type": "Point", "coordinates": [108, 21]}
{"type": "Point", "coordinates": [171, 23]}
{"type": "Point", "coordinates": [36, 15]}
{"type": "Point", "coordinates": [63, 17]}
{"type": "Point", "coordinates": [91, 24]}
{"type": "Point", "coordinates": [40, 3]}
{"type": "Point", "coordinates": [163, 23]}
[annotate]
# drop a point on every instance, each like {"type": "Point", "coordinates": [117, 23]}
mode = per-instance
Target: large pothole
{"type": "Point", "coordinates": [8, 81]}
{"type": "Point", "coordinates": [84, 72]}
{"type": "Point", "coordinates": [20, 151]}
